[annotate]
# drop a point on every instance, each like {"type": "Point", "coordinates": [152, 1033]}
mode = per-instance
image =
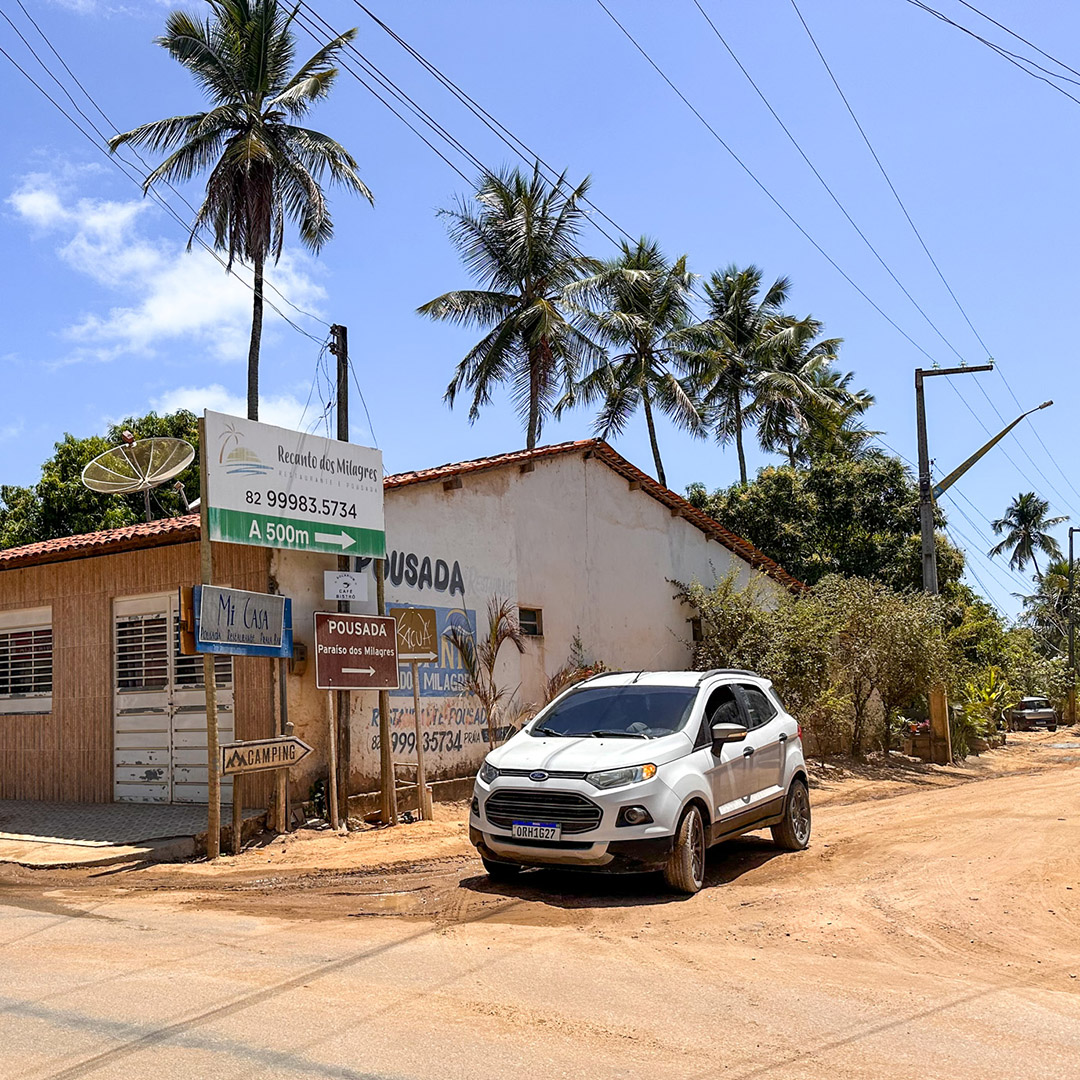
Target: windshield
{"type": "Point", "coordinates": [634, 711]}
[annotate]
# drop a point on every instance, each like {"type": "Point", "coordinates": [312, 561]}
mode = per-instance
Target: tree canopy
{"type": "Point", "coordinates": [857, 517]}
{"type": "Point", "coordinates": [58, 504]}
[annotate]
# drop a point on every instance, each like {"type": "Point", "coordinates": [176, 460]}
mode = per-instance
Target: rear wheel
{"type": "Point", "coordinates": [685, 870]}
{"type": "Point", "coordinates": [793, 833]}
{"type": "Point", "coordinates": [501, 871]}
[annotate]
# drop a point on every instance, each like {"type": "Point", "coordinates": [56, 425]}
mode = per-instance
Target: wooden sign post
{"type": "Point", "coordinates": [213, 808]}
{"type": "Point", "coordinates": [418, 642]}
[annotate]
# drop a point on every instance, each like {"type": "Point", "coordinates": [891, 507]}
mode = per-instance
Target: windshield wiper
{"type": "Point", "coordinates": [546, 731]}
{"type": "Point", "coordinates": [601, 733]}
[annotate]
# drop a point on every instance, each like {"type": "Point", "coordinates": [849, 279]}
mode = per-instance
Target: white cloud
{"type": "Point", "coordinates": [11, 431]}
{"type": "Point", "coordinates": [283, 411]}
{"type": "Point", "coordinates": [169, 293]}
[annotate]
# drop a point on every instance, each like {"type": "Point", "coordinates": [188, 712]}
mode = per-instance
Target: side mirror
{"type": "Point", "coordinates": [725, 733]}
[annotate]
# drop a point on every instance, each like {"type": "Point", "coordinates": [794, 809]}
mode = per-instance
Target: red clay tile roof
{"type": "Point", "coordinates": [182, 530]}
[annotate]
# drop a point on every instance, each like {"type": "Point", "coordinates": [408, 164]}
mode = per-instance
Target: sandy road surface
{"type": "Point", "coordinates": [932, 930]}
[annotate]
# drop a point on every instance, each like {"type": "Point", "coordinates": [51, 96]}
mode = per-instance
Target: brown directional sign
{"type": "Point", "coordinates": [355, 652]}
{"type": "Point", "coordinates": [417, 634]}
{"type": "Point", "coordinates": [259, 755]}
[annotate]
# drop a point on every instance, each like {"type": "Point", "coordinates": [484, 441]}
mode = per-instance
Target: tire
{"type": "Point", "coordinates": [1051, 727]}
{"type": "Point", "coordinates": [793, 833]}
{"type": "Point", "coordinates": [501, 871]}
{"type": "Point", "coordinates": [685, 870]}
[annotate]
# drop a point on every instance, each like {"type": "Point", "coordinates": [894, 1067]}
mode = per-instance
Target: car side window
{"type": "Point", "coordinates": [721, 708]}
{"type": "Point", "coordinates": [761, 710]}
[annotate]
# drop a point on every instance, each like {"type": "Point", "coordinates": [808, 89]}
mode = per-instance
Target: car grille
{"type": "Point", "coordinates": [573, 812]}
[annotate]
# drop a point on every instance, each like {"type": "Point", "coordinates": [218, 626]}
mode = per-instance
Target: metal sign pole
{"type": "Point", "coordinates": [213, 807]}
{"type": "Point", "coordinates": [386, 762]}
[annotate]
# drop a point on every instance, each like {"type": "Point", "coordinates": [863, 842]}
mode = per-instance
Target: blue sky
{"type": "Point", "coordinates": [105, 314]}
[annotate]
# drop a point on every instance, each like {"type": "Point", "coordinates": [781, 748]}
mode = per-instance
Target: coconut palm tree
{"type": "Point", "coordinates": [642, 314]}
{"type": "Point", "coordinates": [834, 426]}
{"type": "Point", "coordinates": [265, 170]}
{"type": "Point", "coordinates": [1025, 524]}
{"type": "Point", "coordinates": [793, 390]}
{"type": "Point", "coordinates": [739, 337]}
{"type": "Point", "coordinates": [518, 237]}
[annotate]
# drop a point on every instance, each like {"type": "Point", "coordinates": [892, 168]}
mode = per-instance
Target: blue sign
{"type": "Point", "coordinates": [243, 623]}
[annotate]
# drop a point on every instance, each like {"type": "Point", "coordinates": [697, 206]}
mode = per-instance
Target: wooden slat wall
{"type": "Point", "coordinates": [66, 755]}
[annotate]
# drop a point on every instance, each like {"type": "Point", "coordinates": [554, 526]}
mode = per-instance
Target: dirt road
{"type": "Point", "coordinates": [932, 930]}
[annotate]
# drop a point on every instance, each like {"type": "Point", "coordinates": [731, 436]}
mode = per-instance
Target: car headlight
{"type": "Point", "coordinates": [610, 778]}
{"type": "Point", "coordinates": [488, 773]}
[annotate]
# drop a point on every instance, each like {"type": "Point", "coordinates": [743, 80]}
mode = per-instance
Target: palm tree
{"type": "Point", "coordinates": [264, 169]}
{"type": "Point", "coordinates": [518, 237]}
{"type": "Point", "coordinates": [834, 426]}
{"type": "Point", "coordinates": [793, 391]}
{"type": "Point", "coordinates": [739, 338]}
{"type": "Point", "coordinates": [643, 314]}
{"type": "Point", "coordinates": [480, 655]}
{"type": "Point", "coordinates": [1026, 525]}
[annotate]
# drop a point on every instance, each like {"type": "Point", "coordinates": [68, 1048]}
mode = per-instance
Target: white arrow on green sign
{"type": "Point", "coordinates": [271, 487]}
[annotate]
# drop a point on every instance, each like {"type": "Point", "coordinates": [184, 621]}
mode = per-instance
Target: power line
{"type": "Point", "coordinates": [1013, 58]}
{"type": "Point", "coordinates": [749, 172]}
{"type": "Point", "coordinates": [1012, 33]}
{"type": "Point", "coordinates": [824, 183]}
{"type": "Point", "coordinates": [929, 255]}
{"type": "Point", "coordinates": [89, 97]}
{"type": "Point", "coordinates": [155, 195]}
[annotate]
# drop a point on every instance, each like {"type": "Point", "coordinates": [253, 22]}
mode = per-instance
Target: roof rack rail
{"type": "Point", "coordinates": [726, 671]}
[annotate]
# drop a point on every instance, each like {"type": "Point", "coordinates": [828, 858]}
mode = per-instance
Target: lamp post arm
{"type": "Point", "coordinates": [959, 471]}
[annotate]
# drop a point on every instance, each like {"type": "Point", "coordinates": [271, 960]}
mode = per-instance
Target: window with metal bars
{"type": "Point", "coordinates": [26, 668]}
{"type": "Point", "coordinates": [142, 657]}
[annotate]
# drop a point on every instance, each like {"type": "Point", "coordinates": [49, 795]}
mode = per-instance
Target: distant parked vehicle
{"type": "Point", "coordinates": [1028, 713]}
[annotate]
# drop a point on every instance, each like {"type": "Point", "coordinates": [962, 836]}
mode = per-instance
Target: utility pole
{"type": "Point", "coordinates": [1072, 634]}
{"type": "Point", "coordinates": [940, 734]}
{"type": "Point", "coordinates": [339, 347]}
{"type": "Point", "coordinates": [926, 495]}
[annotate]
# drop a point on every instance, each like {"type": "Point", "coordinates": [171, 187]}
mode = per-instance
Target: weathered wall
{"type": "Point", "coordinates": [66, 755]}
{"type": "Point", "coordinates": [569, 537]}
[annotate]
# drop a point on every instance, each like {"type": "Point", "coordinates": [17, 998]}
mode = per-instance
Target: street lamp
{"type": "Point", "coordinates": [929, 492]}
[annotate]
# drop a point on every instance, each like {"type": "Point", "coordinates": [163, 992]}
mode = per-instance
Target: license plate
{"type": "Point", "coordinates": [537, 830]}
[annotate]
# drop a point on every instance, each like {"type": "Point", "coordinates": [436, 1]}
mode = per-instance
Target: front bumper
{"type": "Point", "coordinates": [609, 856]}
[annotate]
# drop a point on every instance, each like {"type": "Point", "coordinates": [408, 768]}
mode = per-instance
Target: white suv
{"type": "Point", "coordinates": [641, 771]}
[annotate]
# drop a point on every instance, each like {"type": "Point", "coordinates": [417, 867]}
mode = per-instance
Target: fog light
{"type": "Point", "coordinates": [476, 806]}
{"type": "Point", "coordinates": [633, 815]}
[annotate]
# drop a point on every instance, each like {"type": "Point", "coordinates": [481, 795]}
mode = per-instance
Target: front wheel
{"type": "Point", "coordinates": [793, 833]}
{"type": "Point", "coordinates": [685, 870]}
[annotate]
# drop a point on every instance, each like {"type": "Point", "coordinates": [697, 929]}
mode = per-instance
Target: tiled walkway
{"type": "Point", "coordinates": [100, 824]}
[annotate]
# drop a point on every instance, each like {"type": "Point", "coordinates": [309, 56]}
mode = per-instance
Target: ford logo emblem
{"type": "Point", "coordinates": [538, 775]}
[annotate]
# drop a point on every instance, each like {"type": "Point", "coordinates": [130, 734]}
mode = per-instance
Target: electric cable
{"type": "Point", "coordinates": [1012, 33]}
{"type": "Point", "coordinates": [825, 184]}
{"type": "Point", "coordinates": [155, 195]}
{"type": "Point", "coordinates": [89, 97]}
{"type": "Point", "coordinates": [1013, 58]}
{"type": "Point", "coordinates": [929, 255]}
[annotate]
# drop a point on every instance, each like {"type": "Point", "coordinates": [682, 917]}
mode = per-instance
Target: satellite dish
{"type": "Point", "coordinates": [138, 465]}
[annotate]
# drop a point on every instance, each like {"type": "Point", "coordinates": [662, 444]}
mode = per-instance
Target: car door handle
{"type": "Point", "coordinates": [748, 752]}
{"type": "Point", "coordinates": [783, 737]}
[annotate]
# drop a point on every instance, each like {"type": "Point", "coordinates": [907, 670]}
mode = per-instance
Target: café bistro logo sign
{"type": "Point", "coordinates": [242, 460]}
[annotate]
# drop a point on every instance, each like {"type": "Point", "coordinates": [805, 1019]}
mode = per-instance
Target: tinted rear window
{"type": "Point", "coordinates": [631, 710]}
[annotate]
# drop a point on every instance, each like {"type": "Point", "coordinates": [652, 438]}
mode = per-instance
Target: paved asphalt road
{"type": "Point", "coordinates": [935, 934]}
